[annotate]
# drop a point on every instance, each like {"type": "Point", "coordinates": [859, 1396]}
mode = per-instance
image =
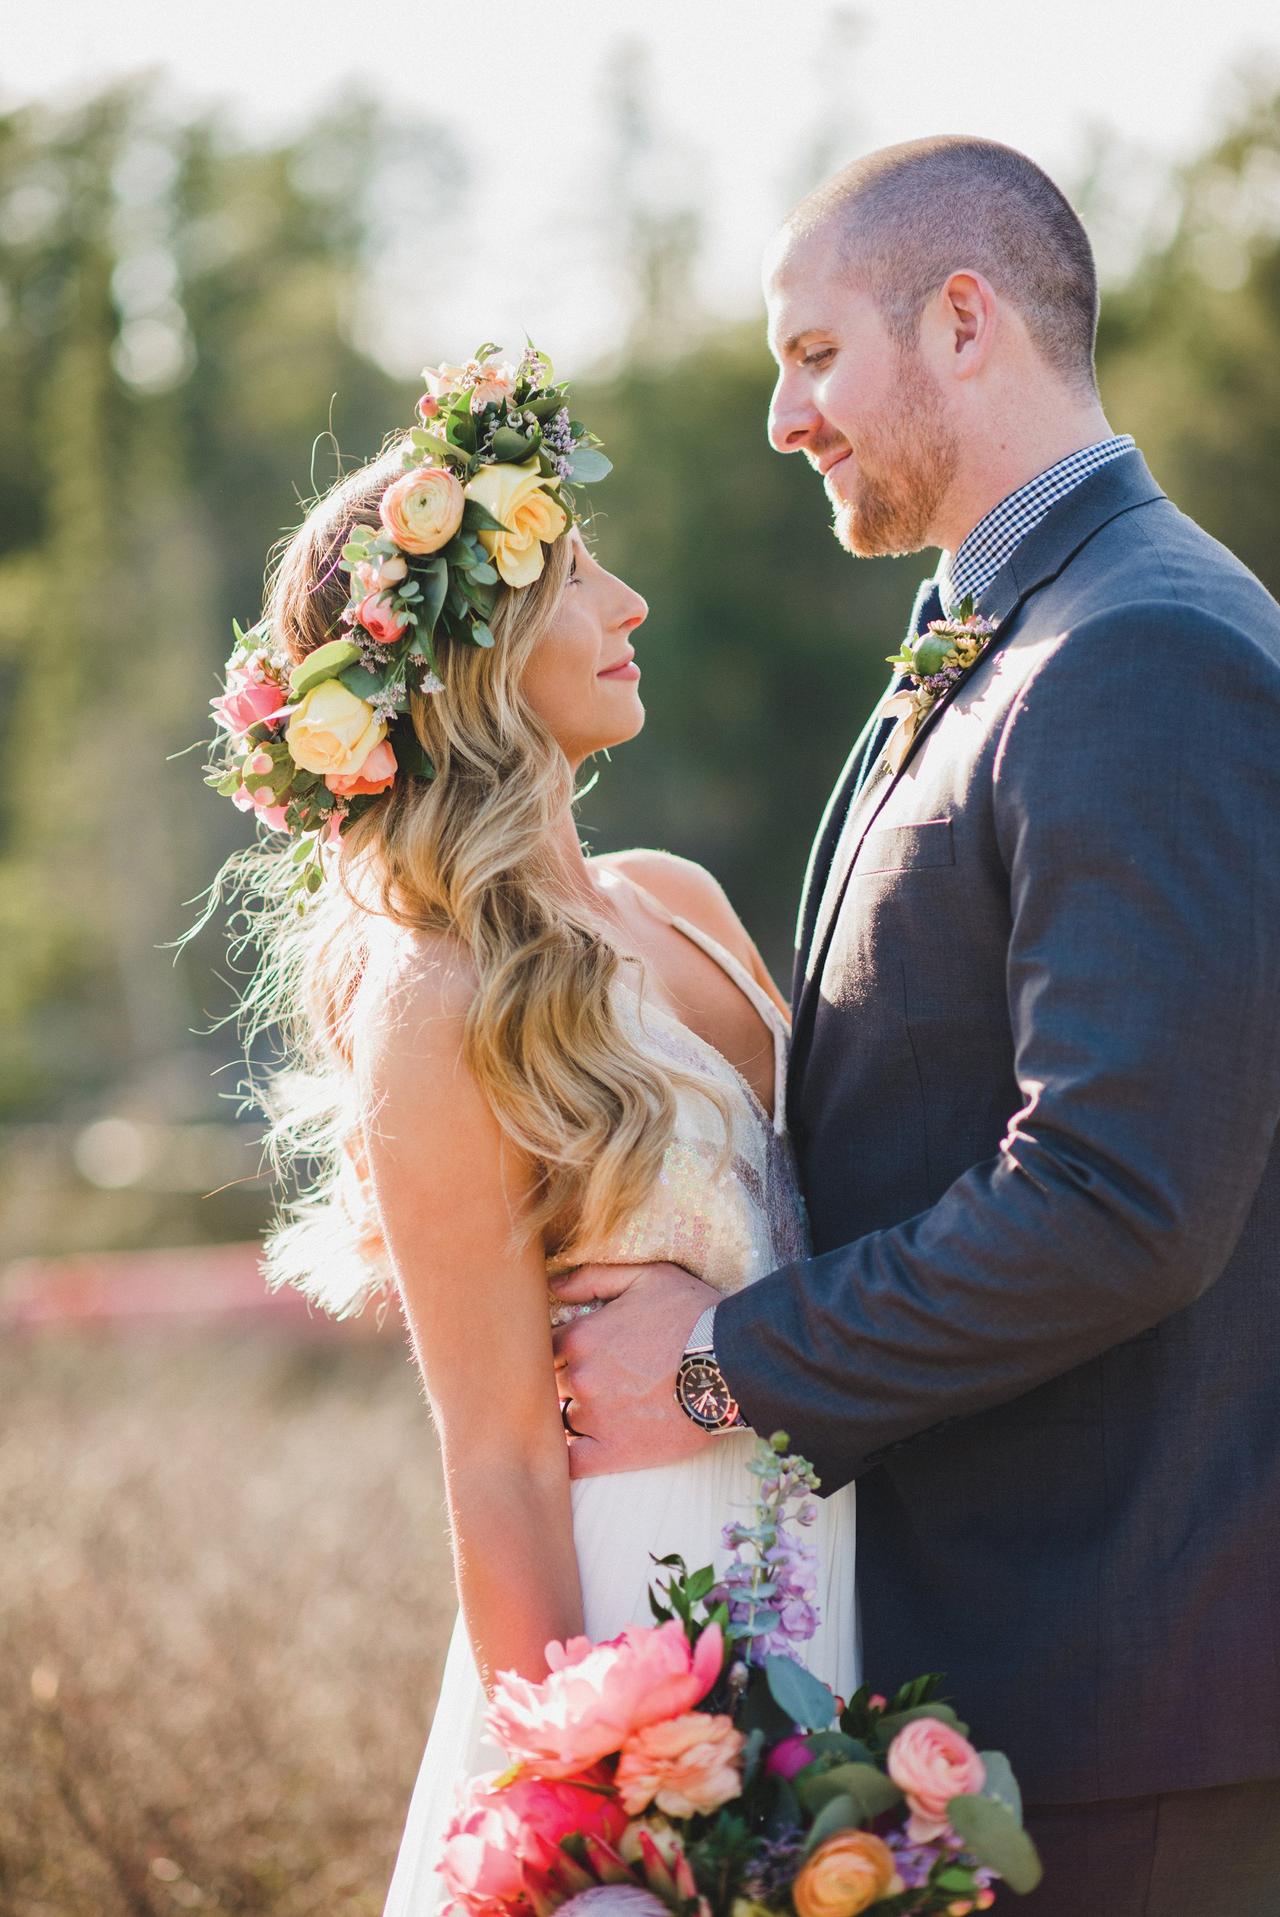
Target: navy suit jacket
{"type": "Point", "coordinates": [1034, 1096]}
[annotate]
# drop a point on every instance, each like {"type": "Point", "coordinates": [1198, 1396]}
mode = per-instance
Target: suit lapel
{"type": "Point", "coordinates": [1045, 552]}
{"type": "Point", "coordinates": [866, 750]}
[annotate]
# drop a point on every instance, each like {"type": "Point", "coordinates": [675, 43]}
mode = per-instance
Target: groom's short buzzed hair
{"type": "Point", "coordinates": [907, 217]}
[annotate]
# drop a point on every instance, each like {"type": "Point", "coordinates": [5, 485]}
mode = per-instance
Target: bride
{"type": "Point", "coordinates": [507, 1057]}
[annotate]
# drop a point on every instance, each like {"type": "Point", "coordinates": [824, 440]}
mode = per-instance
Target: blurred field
{"type": "Point", "coordinates": [224, 1599]}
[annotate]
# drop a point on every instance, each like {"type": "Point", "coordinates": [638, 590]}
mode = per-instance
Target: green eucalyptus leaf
{"type": "Point", "coordinates": [868, 1788]}
{"type": "Point", "coordinates": [1001, 1782]}
{"type": "Point", "coordinates": [890, 1725]}
{"type": "Point", "coordinates": [587, 465]}
{"type": "Point", "coordinates": [840, 1814]}
{"type": "Point", "coordinates": [480, 634]}
{"type": "Point", "coordinates": [510, 448]}
{"type": "Point", "coordinates": [484, 574]}
{"type": "Point", "coordinates": [804, 1698]}
{"type": "Point", "coordinates": [326, 662]}
{"type": "Point", "coordinates": [434, 577]}
{"type": "Point", "coordinates": [993, 1835]}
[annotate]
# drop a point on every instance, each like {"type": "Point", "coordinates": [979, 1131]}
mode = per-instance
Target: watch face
{"type": "Point", "coordinates": [704, 1394]}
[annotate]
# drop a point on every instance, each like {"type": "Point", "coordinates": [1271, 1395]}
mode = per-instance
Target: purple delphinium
{"type": "Point", "coordinates": [770, 1585]}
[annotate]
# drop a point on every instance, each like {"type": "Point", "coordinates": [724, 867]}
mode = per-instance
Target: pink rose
{"type": "Point", "coordinates": [376, 574]}
{"type": "Point", "coordinates": [261, 801]}
{"type": "Point", "coordinates": [499, 1844]}
{"type": "Point", "coordinates": [685, 1765]}
{"type": "Point", "coordinates": [789, 1757]}
{"type": "Point", "coordinates": [422, 510]}
{"type": "Point", "coordinates": [250, 697]}
{"type": "Point", "coordinates": [376, 773]}
{"type": "Point", "coordinates": [597, 1695]}
{"type": "Point", "coordinates": [931, 1763]}
{"type": "Point", "coordinates": [378, 617]}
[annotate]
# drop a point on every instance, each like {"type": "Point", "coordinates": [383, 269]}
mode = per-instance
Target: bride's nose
{"type": "Point", "coordinates": [635, 611]}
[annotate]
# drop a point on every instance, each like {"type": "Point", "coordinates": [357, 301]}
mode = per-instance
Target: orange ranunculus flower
{"type": "Point", "coordinates": [423, 509]}
{"type": "Point", "coordinates": [847, 1874]}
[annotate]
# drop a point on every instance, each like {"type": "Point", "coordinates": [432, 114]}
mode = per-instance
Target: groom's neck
{"type": "Point", "coordinates": [1011, 452]}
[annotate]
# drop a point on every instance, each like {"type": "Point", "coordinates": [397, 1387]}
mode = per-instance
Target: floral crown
{"type": "Point", "coordinates": [489, 475]}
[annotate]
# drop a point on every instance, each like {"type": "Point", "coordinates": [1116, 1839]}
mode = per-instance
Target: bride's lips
{"type": "Point", "coordinates": [625, 668]}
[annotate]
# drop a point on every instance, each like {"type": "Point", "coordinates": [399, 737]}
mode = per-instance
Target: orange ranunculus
{"type": "Point", "coordinates": [423, 509]}
{"type": "Point", "coordinates": [847, 1874]}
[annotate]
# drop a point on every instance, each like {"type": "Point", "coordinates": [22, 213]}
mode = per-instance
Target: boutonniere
{"type": "Point", "coordinates": [933, 663]}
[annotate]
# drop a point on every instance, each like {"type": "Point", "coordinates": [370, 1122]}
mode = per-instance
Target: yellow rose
{"type": "Point", "coordinates": [333, 731]}
{"type": "Point", "coordinates": [844, 1876]}
{"type": "Point", "coordinates": [520, 497]}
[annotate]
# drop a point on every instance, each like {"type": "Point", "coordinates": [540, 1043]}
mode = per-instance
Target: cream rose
{"type": "Point", "coordinates": [333, 731]}
{"type": "Point", "coordinates": [523, 500]}
{"type": "Point", "coordinates": [423, 510]}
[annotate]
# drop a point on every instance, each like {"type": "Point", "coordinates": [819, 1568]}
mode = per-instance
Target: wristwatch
{"type": "Point", "coordinates": [701, 1391]}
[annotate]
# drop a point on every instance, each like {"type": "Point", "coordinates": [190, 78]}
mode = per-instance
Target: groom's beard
{"type": "Point", "coordinates": [903, 468]}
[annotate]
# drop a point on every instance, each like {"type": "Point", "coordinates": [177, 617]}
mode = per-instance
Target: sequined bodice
{"type": "Point", "coordinates": [726, 1222]}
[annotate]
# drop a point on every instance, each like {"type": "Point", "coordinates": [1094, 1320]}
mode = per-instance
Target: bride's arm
{"type": "Point", "coordinates": [449, 1187]}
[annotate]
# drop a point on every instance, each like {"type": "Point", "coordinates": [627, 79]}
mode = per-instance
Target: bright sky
{"type": "Point", "coordinates": [748, 102]}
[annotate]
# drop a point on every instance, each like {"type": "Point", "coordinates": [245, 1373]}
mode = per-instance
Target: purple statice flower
{"type": "Point", "coordinates": [939, 682]}
{"type": "Point", "coordinates": [774, 1867]}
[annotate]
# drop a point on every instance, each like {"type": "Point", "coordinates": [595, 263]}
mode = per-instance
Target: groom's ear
{"type": "Point", "coordinates": [959, 325]}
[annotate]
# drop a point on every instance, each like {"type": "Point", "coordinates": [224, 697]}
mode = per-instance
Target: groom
{"type": "Point", "coordinates": [1035, 1080]}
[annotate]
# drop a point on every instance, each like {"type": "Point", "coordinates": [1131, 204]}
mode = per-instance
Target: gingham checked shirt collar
{"type": "Point", "coordinates": [971, 568]}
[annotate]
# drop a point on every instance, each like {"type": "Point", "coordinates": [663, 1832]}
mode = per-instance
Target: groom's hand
{"type": "Point", "coordinates": [618, 1366]}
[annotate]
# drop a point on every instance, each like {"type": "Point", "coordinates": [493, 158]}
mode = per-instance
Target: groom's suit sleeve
{"type": "Point", "coordinates": [1134, 792]}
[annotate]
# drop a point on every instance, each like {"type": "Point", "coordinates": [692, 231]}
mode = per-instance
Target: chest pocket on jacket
{"type": "Point", "coordinates": [905, 848]}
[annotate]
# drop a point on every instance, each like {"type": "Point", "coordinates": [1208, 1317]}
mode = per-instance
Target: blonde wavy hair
{"type": "Point", "coordinates": [472, 854]}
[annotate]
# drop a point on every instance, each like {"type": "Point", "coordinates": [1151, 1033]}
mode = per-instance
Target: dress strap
{"type": "Point", "coordinates": [750, 987]}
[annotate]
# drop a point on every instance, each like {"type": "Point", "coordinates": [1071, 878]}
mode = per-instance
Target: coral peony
{"type": "Point", "coordinates": [500, 1842]}
{"type": "Point", "coordinates": [847, 1874]}
{"type": "Point", "coordinates": [375, 775]}
{"type": "Point", "coordinates": [597, 1695]}
{"type": "Point", "coordinates": [685, 1765]}
{"type": "Point", "coordinates": [931, 1763]}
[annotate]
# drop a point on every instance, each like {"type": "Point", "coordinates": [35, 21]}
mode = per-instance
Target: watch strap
{"type": "Point", "coordinates": [700, 1338]}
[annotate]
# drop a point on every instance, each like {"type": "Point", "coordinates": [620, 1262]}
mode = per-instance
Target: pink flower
{"type": "Point", "coordinates": [685, 1765]}
{"type": "Point", "coordinates": [597, 1695]}
{"type": "Point", "coordinates": [422, 510]}
{"type": "Point", "coordinates": [789, 1757]}
{"type": "Point", "coordinates": [500, 1842]}
{"type": "Point", "coordinates": [376, 574]}
{"type": "Point", "coordinates": [931, 1763]}
{"type": "Point", "coordinates": [376, 773]}
{"type": "Point", "coordinates": [428, 406]}
{"type": "Point", "coordinates": [260, 800]}
{"type": "Point", "coordinates": [250, 697]}
{"type": "Point", "coordinates": [379, 618]}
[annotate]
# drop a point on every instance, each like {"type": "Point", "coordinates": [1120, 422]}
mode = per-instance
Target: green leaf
{"type": "Point", "coordinates": [478, 518]}
{"type": "Point", "coordinates": [480, 634]}
{"type": "Point", "coordinates": [956, 1878]}
{"type": "Point", "coordinates": [701, 1582]}
{"type": "Point", "coordinates": [865, 1785]}
{"type": "Point", "coordinates": [1001, 1782]}
{"type": "Point", "coordinates": [361, 681]}
{"type": "Point", "coordinates": [484, 574]}
{"type": "Point", "coordinates": [511, 448]}
{"type": "Point", "coordinates": [587, 465]}
{"type": "Point", "coordinates": [804, 1698]}
{"type": "Point", "coordinates": [326, 662]}
{"type": "Point", "coordinates": [434, 578]}
{"type": "Point", "coordinates": [993, 1835]}
{"type": "Point", "coordinates": [840, 1814]}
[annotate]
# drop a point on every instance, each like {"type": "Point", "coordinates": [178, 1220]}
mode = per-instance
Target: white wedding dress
{"type": "Point", "coordinates": [728, 1227]}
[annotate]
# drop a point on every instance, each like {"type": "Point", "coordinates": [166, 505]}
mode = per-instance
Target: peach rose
{"type": "Point", "coordinates": [685, 1765]}
{"type": "Point", "coordinates": [375, 775]}
{"type": "Point", "coordinates": [494, 380]}
{"type": "Point", "coordinates": [850, 1872]}
{"type": "Point", "coordinates": [332, 730]}
{"type": "Point", "coordinates": [376, 574]}
{"type": "Point", "coordinates": [423, 509]}
{"type": "Point", "coordinates": [378, 617]}
{"type": "Point", "coordinates": [597, 1695]}
{"type": "Point", "coordinates": [525, 503]}
{"type": "Point", "coordinates": [931, 1763]}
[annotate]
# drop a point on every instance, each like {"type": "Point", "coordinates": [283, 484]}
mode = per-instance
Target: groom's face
{"type": "Point", "coordinates": [866, 413]}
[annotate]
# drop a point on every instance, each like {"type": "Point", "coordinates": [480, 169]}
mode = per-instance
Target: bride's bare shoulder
{"type": "Point", "coordinates": [684, 887]}
{"type": "Point", "coordinates": [414, 997]}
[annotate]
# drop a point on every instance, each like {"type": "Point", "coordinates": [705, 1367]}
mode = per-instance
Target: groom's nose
{"type": "Point", "coordinates": [793, 417]}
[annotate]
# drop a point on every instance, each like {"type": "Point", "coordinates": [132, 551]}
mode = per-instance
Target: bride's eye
{"type": "Point", "coordinates": [823, 354]}
{"type": "Point", "coordinates": [573, 572]}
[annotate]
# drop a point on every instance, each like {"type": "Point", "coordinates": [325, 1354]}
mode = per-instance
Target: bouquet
{"type": "Point", "coordinates": [696, 1768]}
